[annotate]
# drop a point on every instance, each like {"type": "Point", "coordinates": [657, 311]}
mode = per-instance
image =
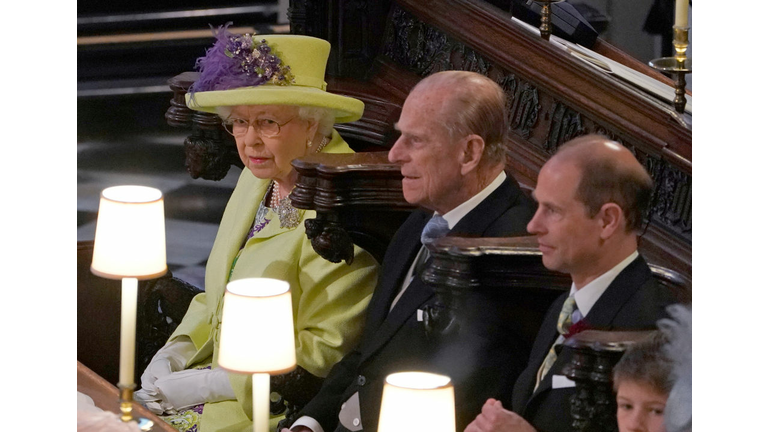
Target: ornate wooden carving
{"type": "Point", "coordinates": [565, 124]}
{"type": "Point", "coordinates": [595, 353]}
{"type": "Point", "coordinates": [296, 389]}
{"type": "Point", "coordinates": [508, 269]}
{"type": "Point", "coordinates": [162, 304]}
{"type": "Point", "coordinates": [526, 110]}
{"type": "Point", "coordinates": [209, 150]}
{"type": "Point", "coordinates": [360, 192]}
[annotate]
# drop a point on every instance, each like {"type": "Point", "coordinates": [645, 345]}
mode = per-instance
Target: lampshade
{"type": "Point", "coordinates": [257, 327]}
{"type": "Point", "coordinates": [130, 234]}
{"type": "Point", "coordinates": [421, 400]}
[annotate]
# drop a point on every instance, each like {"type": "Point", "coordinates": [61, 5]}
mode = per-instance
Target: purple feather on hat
{"type": "Point", "coordinates": [236, 61]}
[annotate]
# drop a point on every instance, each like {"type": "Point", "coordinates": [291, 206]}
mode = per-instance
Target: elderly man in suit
{"type": "Point", "coordinates": [592, 196]}
{"type": "Point", "coordinates": [452, 156]}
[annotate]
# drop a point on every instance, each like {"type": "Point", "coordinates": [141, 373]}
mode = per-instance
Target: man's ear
{"type": "Point", "coordinates": [472, 152]}
{"type": "Point", "coordinates": [612, 220]}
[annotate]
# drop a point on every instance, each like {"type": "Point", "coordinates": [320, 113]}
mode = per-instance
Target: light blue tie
{"type": "Point", "coordinates": [436, 227]}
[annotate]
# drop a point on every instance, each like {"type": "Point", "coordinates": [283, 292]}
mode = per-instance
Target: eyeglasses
{"type": "Point", "coordinates": [264, 127]}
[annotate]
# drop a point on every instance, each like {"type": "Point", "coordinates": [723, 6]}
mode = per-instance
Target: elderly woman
{"type": "Point", "coordinates": [270, 93]}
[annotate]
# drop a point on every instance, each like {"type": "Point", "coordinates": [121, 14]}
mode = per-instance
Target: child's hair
{"type": "Point", "coordinates": [645, 362]}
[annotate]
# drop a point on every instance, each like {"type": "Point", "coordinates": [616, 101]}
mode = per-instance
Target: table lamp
{"type": "Point", "coordinates": [129, 245]}
{"type": "Point", "coordinates": [417, 401]}
{"type": "Point", "coordinates": [257, 337]}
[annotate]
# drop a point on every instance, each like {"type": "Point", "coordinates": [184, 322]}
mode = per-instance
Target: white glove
{"type": "Point", "coordinates": [172, 357]}
{"type": "Point", "coordinates": [153, 402]}
{"type": "Point", "coordinates": [193, 387]}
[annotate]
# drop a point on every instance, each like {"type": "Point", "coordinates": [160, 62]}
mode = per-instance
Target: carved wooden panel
{"type": "Point", "coordinates": [358, 198]}
{"type": "Point", "coordinates": [353, 27]}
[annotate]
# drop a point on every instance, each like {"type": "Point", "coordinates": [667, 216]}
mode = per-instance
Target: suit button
{"type": "Point", "coordinates": [356, 422]}
{"type": "Point", "coordinates": [360, 381]}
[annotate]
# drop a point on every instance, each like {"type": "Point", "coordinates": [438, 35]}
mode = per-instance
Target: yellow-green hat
{"type": "Point", "coordinates": [267, 70]}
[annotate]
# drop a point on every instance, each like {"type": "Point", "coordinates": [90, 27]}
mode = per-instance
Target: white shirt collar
{"type": "Point", "coordinates": [454, 216]}
{"type": "Point", "coordinates": [588, 295]}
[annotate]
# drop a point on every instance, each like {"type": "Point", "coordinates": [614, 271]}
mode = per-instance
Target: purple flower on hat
{"type": "Point", "coordinates": [238, 61]}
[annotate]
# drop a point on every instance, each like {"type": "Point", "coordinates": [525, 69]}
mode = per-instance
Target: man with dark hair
{"type": "Point", "coordinates": [451, 153]}
{"type": "Point", "coordinates": [592, 196]}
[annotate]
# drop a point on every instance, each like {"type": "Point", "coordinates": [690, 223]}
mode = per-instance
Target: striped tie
{"type": "Point", "coordinates": [564, 322]}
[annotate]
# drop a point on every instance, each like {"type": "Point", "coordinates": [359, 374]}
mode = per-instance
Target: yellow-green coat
{"type": "Point", "coordinates": [329, 300]}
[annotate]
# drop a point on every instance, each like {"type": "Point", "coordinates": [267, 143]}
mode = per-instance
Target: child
{"type": "Point", "coordinates": [642, 383]}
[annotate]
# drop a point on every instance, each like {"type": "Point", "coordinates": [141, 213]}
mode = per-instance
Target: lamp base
{"type": "Point", "coordinates": [126, 408]}
{"type": "Point", "coordinates": [145, 424]}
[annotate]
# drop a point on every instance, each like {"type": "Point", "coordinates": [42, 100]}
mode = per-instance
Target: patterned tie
{"type": "Point", "coordinates": [564, 322]}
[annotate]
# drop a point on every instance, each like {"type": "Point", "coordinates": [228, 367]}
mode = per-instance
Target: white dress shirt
{"type": "Point", "coordinates": [587, 296]}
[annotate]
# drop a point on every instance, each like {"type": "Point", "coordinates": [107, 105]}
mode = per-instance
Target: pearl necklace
{"type": "Point", "coordinates": [275, 199]}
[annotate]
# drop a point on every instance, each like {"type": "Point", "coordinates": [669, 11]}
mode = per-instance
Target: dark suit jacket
{"type": "Point", "coordinates": [632, 301]}
{"type": "Point", "coordinates": [397, 341]}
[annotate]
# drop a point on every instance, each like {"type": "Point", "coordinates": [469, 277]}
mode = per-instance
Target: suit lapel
{"type": "Point", "coordinates": [386, 323]}
{"type": "Point", "coordinates": [416, 294]}
{"type": "Point", "coordinates": [477, 221]}
{"type": "Point", "coordinates": [618, 293]}
{"type": "Point", "coordinates": [601, 315]}
{"type": "Point", "coordinates": [403, 250]}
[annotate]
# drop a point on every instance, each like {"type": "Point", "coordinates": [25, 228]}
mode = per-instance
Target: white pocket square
{"type": "Point", "coordinates": [562, 381]}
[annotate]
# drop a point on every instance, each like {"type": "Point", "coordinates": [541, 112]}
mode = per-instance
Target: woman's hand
{"type": "Point", "coordinates": [172, 357]}
{"type": "Point", "coordinates": [192, 387]}
{"type": "Point", "coordinates": [494, 418]}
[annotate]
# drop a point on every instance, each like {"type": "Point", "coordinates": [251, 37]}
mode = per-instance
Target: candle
{"type": "Point", "coordinates": [681, 13]}
{"type": "Point", "coordinates": [128, 331]}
